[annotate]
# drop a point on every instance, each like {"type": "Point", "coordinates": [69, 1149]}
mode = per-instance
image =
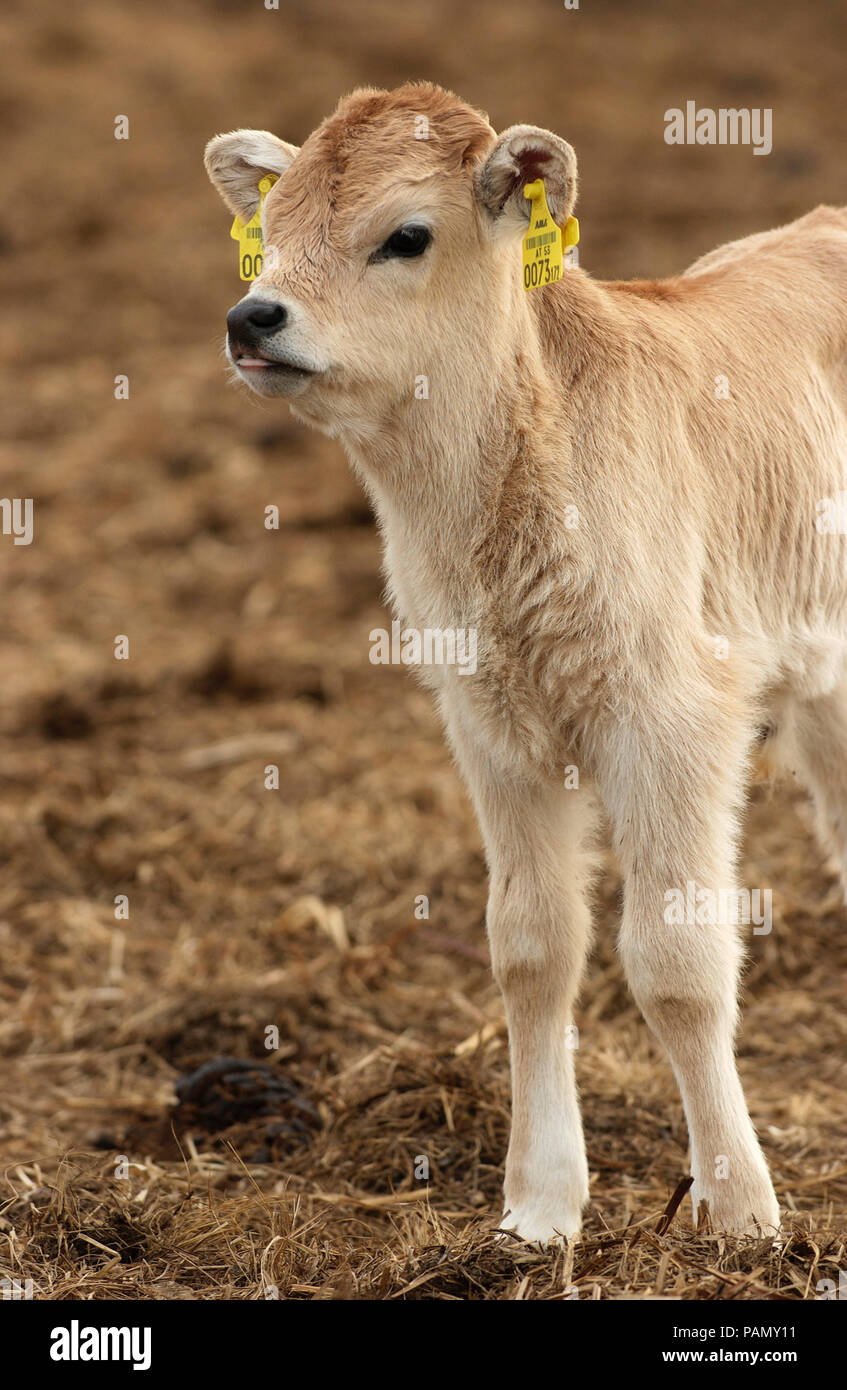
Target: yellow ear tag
{"type": "Point", "coordinates": [251, 252]}
{"type": "Point", "coordinates": [543, 243]}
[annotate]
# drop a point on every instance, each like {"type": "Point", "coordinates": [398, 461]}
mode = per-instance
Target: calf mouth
{"type": "Point", "coordinates": [270, 375]}
{"type": "Point", "coordinates": [257, 362]}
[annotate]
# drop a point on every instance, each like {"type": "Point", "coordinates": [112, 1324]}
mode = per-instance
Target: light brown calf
{"type": "Point", "coordinates": [622, 488]}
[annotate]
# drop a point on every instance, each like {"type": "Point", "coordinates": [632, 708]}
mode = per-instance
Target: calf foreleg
{"type": "Point", "coordinates": [672, 793]}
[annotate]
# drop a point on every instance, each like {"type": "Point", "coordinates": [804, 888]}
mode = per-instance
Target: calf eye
{"type": "Point", "coordinates": [406, 241]}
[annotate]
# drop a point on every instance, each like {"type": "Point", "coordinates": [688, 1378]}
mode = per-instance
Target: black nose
{"type": "Point", "coordinates": [252, 319]}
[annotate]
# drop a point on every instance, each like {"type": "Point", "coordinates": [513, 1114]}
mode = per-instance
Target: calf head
{"type": "Point", "coordinates": [390, 235]}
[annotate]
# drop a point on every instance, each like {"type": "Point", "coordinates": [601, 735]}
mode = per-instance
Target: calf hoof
{"type": "Point", "coordinates": [542, 1223]}
{"type": "Point", "coordinates": [751, 1209]}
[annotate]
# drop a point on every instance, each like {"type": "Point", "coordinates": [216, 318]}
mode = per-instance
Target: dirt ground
{"type": "Point", "coordinates": [293, 909]}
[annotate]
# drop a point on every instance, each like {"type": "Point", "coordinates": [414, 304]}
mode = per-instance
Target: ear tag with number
{"type": "Point", "coordinates": [251, 251]}
{"type": "Point", "coordinates": [544, 243]}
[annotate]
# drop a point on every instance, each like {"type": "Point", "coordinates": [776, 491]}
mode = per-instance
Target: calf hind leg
{"type": "Point", "coordinates": [813, 745]}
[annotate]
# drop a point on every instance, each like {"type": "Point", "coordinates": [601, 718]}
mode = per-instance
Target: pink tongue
{"type": "Point", "coordinates": [253, 362]}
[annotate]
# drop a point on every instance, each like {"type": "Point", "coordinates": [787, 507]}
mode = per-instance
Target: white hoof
{"type": "Point", "coordinates": [746, 1208]}
{"type": "Point", "coordinates": [543, 1224]}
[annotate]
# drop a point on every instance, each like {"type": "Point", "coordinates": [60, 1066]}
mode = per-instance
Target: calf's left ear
{"type": "Point", "coordinates": [236, 162]}
{"type": "Point", "coordinates": [522, 154]}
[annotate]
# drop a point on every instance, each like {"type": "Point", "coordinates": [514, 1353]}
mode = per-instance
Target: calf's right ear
{"type": "Point", "coordinates": [522, 154]}
{"type": "Point", "coordinates": [236, 162]}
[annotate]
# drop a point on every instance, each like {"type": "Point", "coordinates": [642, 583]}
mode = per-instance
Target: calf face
{"type": "Point", "coordinates": [388, 235]}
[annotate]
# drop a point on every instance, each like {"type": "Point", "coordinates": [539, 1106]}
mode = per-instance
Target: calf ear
{"type": "Point", "coordinates": [524, 153]}
{"type": "Point", "coordinates": [236, 162]}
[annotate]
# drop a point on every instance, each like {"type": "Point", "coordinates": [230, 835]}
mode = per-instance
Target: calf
{"type": "Point", "coordinates": [620, 487]}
